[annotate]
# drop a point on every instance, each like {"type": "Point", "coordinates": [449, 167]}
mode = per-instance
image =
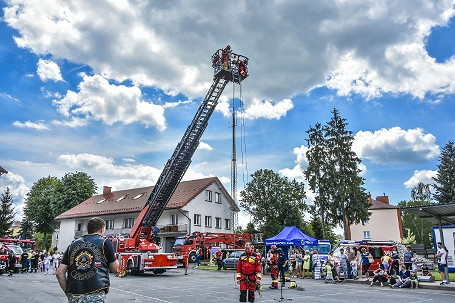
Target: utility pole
{"type": "Point", "coordinates": [234, 168]}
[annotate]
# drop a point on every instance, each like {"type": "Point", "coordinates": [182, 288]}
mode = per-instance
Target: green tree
{"type": "Point", "coordinates": [73, 189]}
{"type": "Point", "coordinates": [26, 231]}
{"type": "Point", "coordinates": [273, 202]}
{"type": "Point", "coordinates": [421, 192]}
{"type": "Point", "coordinates": [445, 178]}
{"type": "Point", "coordinates": [419, 228]}
{"type": "Point", "coordinates": [40, 205]}
{"type": "Point", "coordinates": [6, 212]}
{"type": "Point", "coordinates": [316, 226]}
{"type": "Point", "coordinates": [349, 203]}
{"type": "Point", "coordinates": [317, 176]}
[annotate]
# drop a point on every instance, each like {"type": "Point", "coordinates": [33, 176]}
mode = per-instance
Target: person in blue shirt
{"type": "Point", "coordinates": [404, 279]}
{"type": "Point", "coordinates": [365, 262]}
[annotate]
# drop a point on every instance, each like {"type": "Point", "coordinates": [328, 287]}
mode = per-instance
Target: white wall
{"type": "Point", "coordinates": [66, 234]}
{"type": "Point", "coordinates": [383, 225]}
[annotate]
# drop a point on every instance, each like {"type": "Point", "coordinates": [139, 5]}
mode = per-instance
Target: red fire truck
{"type": "Point", "coordinates": [25, 244]}
{"type": "Point", "coordinates": [139, 252]}
{"type": "Point", "coordinates": [186, 246]}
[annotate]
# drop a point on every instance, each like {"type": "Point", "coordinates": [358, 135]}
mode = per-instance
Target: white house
{"type": "Point", "coordinates": [201, 205]}
{"type": "Point", "coordinates": [384, 223]}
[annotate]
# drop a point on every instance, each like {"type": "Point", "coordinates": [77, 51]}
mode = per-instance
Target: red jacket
{"type": "Point", "coordinates": [249, 266]}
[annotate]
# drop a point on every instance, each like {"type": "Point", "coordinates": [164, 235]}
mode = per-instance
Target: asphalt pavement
{"type": "Point", "coordinates": [204, 286]}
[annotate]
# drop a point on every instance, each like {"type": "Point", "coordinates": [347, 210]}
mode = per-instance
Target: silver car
{"type": "Point", "coordinates": [232, 260]}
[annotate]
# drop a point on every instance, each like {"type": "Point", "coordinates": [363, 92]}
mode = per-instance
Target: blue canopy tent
{"type": "Point", "coordinates": [290, 236]}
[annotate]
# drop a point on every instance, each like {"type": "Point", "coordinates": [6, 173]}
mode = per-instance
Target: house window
{"type": "Point", "coordinates": [227, 223]}
{"type": "Point", "coordinates": [217, 222]}
{"type": "Point", "coordinates": [366, 234]}
{"type": "Point", "coordinates": [129, 222]}
{"type": "Point", "coordinates": [218, 198]}
{"type": "Point", "coordinates": [109, 224]}
{"type": "Point", "coordinates": [208, 195]}
{"type": "Point", "coordinates": [174, 219]}
{"type": "Point", "coordinates": [208, 221]}
{"type": "Point", "coordinates": [79, 226]}
{"type": "Point", "coordinates": [197, 220]}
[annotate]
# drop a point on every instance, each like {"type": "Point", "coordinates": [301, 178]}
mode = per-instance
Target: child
{"type": "Point", "coordinates": [414, 280]}
{"type": "Point", "coordinates": [385, 261]}
{"type": "Point", "coordinates": [354, 269]}
{"type": "Point", "coordinates": [329, 275]}
{"type": "Point", "coordinates": [379, 275]}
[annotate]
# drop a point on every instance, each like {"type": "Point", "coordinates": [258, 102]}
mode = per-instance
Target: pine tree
{"type": "Point", "coordinates": [445, 178]}
{"type": "Point", "coordinates": [349, 200]}
{"type": "Point", "coordinates": [6, 212]}
{"type": "Point", "coordinates": [317, 176]}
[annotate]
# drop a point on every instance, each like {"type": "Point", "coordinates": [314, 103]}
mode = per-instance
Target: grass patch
{"type": "Point", "coordinates": [437, 275]}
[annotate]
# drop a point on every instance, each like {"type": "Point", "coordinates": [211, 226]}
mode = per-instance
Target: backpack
{"type": "Point", "coordinates": [392, 280]}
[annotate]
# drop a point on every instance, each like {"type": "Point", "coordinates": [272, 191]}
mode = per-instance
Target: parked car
{"type": "Point", "coordinates": [232, 260]}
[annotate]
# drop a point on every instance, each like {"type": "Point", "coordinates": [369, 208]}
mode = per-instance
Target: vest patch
{"type": "Point", "coordinates": [83, 258]}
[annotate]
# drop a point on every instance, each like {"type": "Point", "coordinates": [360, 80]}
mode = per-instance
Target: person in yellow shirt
{"type": "Point", "coordinates": [385, 260]}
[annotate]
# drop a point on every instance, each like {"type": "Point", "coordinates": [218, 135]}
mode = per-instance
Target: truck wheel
{"type": "Point", "coordinates": [192, 257]}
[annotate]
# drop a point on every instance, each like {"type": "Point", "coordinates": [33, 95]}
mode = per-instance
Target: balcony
{"type": "Point", "coordinates": [169, 229]}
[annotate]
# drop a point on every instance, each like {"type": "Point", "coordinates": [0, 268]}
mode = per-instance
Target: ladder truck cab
{"type": "Point", "coordinates": [186, 246]}
{"type": "Point", "coordinates": [140, 251]}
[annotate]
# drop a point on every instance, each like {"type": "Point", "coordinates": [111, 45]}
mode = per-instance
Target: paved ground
{"type": "Point", "coordinates": [203, 286]}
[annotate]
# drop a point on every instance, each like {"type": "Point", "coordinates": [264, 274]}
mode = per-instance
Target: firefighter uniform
{"type": "Point", "coordinates": [249, 274]}
{"type": "Point", "coordinates": [273, 263]}
{"type": "Point", "coordinates": [11, 262]}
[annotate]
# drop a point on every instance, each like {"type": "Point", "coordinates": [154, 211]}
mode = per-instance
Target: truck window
{"type": "Point", "coordinates": [376, 252]}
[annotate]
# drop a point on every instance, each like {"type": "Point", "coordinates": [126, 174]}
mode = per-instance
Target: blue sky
{"type": "Point", "coordinates": [109, 88]}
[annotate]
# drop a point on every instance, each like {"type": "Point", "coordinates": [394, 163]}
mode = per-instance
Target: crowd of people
{"type": "Point", "coordinates": [32, 261]}
{"type": "Point", "coordinates": [398, 269]}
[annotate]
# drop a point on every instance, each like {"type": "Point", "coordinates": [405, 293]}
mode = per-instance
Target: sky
{"type": "Point", "coordinates": [109, 87]}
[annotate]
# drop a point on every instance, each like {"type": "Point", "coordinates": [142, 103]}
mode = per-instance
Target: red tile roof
{"type": "Point", "coordinates": [134, 200]}
{"type": "Point", "coordinates": [375, 204]}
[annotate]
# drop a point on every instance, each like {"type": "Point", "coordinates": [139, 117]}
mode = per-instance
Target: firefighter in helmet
{"type": "Point", "coordinates": [249, 273]}
{"type": "Point", "coordinates": [273, 263]}
{"type": "Point", "coordinates": [225, 56]}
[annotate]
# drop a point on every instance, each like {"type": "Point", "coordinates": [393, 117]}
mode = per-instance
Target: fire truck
{"type": "Point", "coordinates": [139, 252]}
{"type": "Point", "coordinates": [185, 246]}
{"type": "Point", "coordinates": [25, 244]}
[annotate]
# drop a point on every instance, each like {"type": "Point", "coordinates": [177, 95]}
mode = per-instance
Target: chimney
{"type": "Point", "coordinates": [370, 200]}
{"type": "Point", "coordinates": [107, 194]}
{"type": "Point", "coordinates": [383, 199]}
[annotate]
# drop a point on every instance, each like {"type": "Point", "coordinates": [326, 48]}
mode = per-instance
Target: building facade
{"type": "Point", "coordinates": [384, 223]}
{"type": "Point", "coordinates": [201, 205]}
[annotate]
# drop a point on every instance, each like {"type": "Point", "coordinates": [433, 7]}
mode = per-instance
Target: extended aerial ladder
{"type": "Point", "coordinates": [228, 67]}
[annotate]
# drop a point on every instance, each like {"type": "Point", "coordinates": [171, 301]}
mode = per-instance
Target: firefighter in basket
{"type": "Point", "coordinates": [249, 273]}
{"type": "Point", "coordinates": [273, 263]}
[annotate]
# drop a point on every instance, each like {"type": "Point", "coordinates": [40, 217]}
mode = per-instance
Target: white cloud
{"type": "Point", "coordinates": [48, 70]}
{"type": "Point", "coordinates": [33, 125]}
{"type": "Point", "coordinates": [74, 122]}
{"type": "Point", "coordinates": [363, 47]}
{"type": "Point", "coordinates": [301, 164]}
{"type": "Point", "coordinates": [110, 103]}
{"type": "Point", "coordinates": [126, 176]}
{"type": "Point", "coordinates": [424, 176]}
{"type": "Point", "coordinates": [396, 145]}
{"type": "Point", "coordinates": [204, 146]}
{"type": "Point", "coordinates": [268, 109]}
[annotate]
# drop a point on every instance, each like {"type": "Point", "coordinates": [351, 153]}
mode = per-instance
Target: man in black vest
{"type": "Point", "coordinates": [84, 271]}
